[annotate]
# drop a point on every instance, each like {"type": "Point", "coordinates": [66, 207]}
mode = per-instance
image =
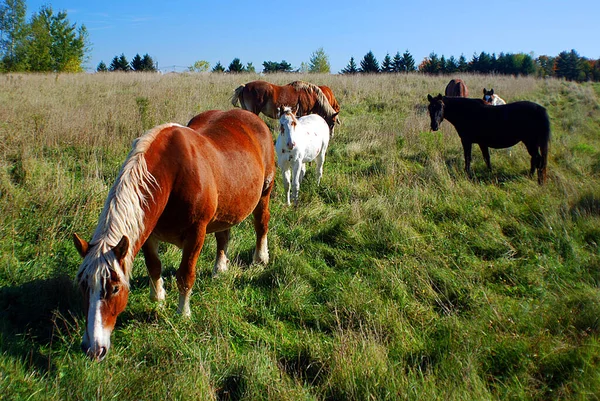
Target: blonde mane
{"type": "Point", "coordinates": [122, 214]}
{"type": "Point", "coordinates": [322, 101]}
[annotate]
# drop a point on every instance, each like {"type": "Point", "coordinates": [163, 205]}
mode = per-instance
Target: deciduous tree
{"type": "Point", "coordinates": [319, 62]}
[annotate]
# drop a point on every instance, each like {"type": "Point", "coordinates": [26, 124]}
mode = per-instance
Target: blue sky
{"type": "Point", "coordinates": [178, 32]}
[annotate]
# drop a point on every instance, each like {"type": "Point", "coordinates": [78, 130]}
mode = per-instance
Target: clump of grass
{"type": "Point", "coordinates": [397, 278]}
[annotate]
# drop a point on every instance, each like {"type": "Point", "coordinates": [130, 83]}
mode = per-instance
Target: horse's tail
{"type": "Point", "coordinates": [544, 146]}
{"type": "Point", "coordinates": [237, 95]}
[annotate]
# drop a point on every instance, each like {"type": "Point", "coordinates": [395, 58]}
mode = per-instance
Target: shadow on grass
{"type": "Point", "coordinates": [32, 313]}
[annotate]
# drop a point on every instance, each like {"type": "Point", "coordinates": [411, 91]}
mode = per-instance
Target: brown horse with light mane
{"type": "Point", "coordinates": [330, 97]}
{"type": "Point", "coordinates": [262, 96]}
{"type": "Point", "coordinates": [457, 87]}
{"type": "Point", "coordinates": [177, 185]}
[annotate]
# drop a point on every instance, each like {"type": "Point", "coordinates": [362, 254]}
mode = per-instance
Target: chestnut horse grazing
{"type": "Point", "coordinates": [457, 87]}
{"type": "Point", "coordinates": [301, 140]}
{"type": "Point", "coordinates": [495, 127]}
{"type": "Point", "coordinates": [261, 96]}
{"type": "Point", "coordinates": [330, 98]}
{"type": "Point", "coordinates": [176, 185]}
{"type": "Point", "coordinates": [491, 98]}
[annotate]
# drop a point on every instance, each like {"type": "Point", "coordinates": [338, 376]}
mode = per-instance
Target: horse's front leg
{"type": "Point", "coordinates": [150, 250]}
{"type": "Point", "coordinates": [287, 178]}
{"type": "Point", "coordinates": [486, 155]}
{"type": "Point", "coordinates": [296, 171]}
{"type": "Point", "coordinates": [221, 260]}
{"type": "Point", "coordinates": [186, 274]}
{"type": "Point", "coordinates": [467, 151]}
{"type": "Point", "coordinates": [261, 227]}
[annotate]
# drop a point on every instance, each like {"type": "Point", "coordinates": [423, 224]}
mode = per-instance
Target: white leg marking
{"type": "Point", "coordinates": [157, 290]}
{"type": "Point", "coordinates": [261, 254]}
{"type": "Point", "coordinates": [220, 264]}
{"type": "Point", "coordinates": [184, 304]}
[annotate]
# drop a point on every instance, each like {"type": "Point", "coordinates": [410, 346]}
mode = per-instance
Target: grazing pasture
{"type": "Point", "coordinates": [399, 277]}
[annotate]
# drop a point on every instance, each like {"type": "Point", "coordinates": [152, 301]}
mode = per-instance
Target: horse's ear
{"type": "Point", "coordinates": [81, 245]}
{"type": "Point", "coordinates": [492, 92]}
{"type": "Point", "coordinates": [280, 111]}
{"type": "Point", "coordinates": [429, 97]}
{"type": "Point", "coordinates": [484, 90]}
{"type": "Point", "coordinates": [439, 97]}
{"type": "Point", "coordinates": [121, 249]}
{"type": "Point", "coordinates": [338, 120]}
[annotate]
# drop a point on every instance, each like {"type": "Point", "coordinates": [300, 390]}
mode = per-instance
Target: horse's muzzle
{"type": "Point", "coordinates": [97, 354]}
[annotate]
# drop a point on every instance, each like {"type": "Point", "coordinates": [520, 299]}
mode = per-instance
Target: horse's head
{"type": "Point", "coordinates": [105, 291]}
{"type": "Point", "coordinates": [287, 125]}
{"type": "Point", "coordinates": [488, 95]}
{"type": "Point", "coordinates": [332, 121]}
{"type": "Point", "coordinates": [436, 111]}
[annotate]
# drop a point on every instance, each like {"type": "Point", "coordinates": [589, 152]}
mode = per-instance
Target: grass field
{"type": "Point", "coordinates": [398, 278]}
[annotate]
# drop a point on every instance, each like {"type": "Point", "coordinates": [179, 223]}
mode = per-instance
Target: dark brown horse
{"type": "Point", "coordinates": [261, 96]}
{"type": "Point", "coordinates": [457, 87]}
{"type": "Point", "coordinates": [177, 185]}
{"type": "Point", "coordinates": [495, 127]}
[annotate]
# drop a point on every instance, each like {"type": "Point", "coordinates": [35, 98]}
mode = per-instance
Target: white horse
{"type": "Point", "coordinates": [301, 140]}
{"type": "Point", "coordinates": [491, 98]}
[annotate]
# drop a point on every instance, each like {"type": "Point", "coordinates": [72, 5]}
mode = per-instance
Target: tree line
{"type": "Point", "coordinates": [48, 42]}
{"type": "Point", "coordinates": [120, 63]}
{"type": "Point", "coordinates": [568, 65]}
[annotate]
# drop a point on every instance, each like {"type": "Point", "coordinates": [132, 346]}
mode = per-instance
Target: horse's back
{"type": "Point", "coordinates": [456, 87]}
{"type": "Point", "coordinates": [215, 171]}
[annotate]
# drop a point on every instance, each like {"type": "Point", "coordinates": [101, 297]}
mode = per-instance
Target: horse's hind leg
{"type": "Point", "coordinates": [221, 260]}
{"type": "Point", "coordinates": [486, 155]}
{"type": "Point", "coordinates": [320, 162]}
{"type": "Point", "coordinates": [536, 158]}
{"type": "Point", "coordinates": [262, 215]}
{"type": "Point", "coordinates": [150, 250]}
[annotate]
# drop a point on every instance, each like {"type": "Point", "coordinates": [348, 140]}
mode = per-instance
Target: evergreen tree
{"type": "Point", "coordinates": [527, 65]}
{"type": "Point", "coordinates": [463, 66]}
{"type": "Point", "coordinates": [442, 65]}
{"type": "Point", "coordinates": [319, 62]}
{"type": "Point", "coordinates": [136, 63]}
{"type": "Point", "coordinates": [274, 66]}
{"type": "Point", "coordinates": [387, 64]}
{"type": "Point", "coordinates": [369, 63]}
{"type": "Point", "coordinates": [451, 65]}
{"type": "Point", "coordinates": [250, 67]}
{"type": "Point", "coordinates": [101, 67]}
{"type": "Point", "coordinates": [236, 66]}
{"type": "Point", "coordinates": [350, 68]}
{"type": "Point", "coordinates": [148, 63]}
{"type": "Point", "coordinates": [409, 62]}
{"type": "Point", "coordinates": [218, 67]}
{"type": "Point", "coordinates": [568, 65]}
{"type": "Point", "coordinates": [398, 63]}
{"type": "Point", "coordinates": [119, 63]}
{"type": "Point", "coordinates": [13, 32]}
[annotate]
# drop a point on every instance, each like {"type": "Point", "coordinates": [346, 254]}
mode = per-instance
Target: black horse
{"type": "Point", "coordinates": [495, 127]}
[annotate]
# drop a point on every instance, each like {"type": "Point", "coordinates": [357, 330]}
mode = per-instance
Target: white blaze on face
{"type": "Point", "coordinates": [96, 336]}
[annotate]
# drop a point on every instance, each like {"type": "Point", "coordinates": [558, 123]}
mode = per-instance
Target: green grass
{"type": "Point", "coordinates": [397, 278]}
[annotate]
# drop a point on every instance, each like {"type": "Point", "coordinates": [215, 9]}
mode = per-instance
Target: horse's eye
{"type": "Point", "coordinates": [115, 289]}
